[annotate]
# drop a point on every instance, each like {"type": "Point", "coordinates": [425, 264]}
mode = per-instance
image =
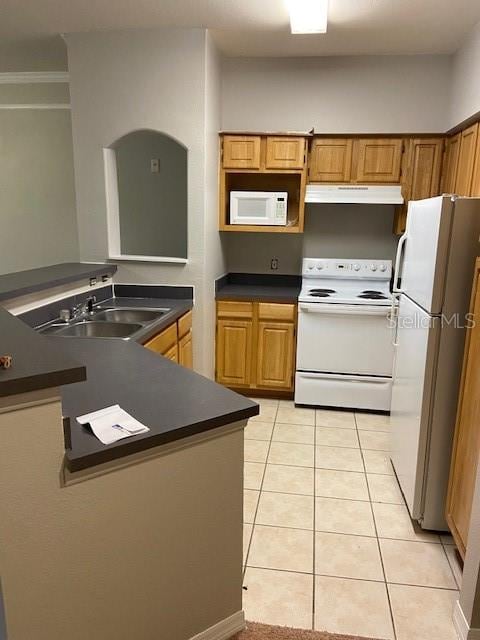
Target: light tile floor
{"type": "Point", "coordinates": [328, 542]}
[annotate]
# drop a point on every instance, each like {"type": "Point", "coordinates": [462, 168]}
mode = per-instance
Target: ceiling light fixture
{"type": "Point", "coordinates": [308, 16]}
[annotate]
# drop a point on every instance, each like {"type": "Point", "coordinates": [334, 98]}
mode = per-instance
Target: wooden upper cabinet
{"type": "Point", "coordinates": [466, 444]}
{"type": "Point", "coordinates": [466, 160]}
{"type": "Point", "coordinates": [331, 160]}
{"type": "Point", "coordinates": [450, 164]}
{"type": "Point", "coordinates": [475, 190]}
{"type": "Point", "coordinates": [285, 153]}
{"type": "Point", "coordinates": [241, 152]}
{"type": "Point", "coordinates": [276, 342]}
{"type": "Point", "coordinates": [378, 160]}
{"type": "Point", "coordinates": [424, 167]}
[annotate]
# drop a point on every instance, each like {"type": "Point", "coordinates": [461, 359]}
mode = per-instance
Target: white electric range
{"type": "Point", "coordinates": [345, 334]}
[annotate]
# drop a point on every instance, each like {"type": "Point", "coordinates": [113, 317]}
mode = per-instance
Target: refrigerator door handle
{"type": "Point", "coordinates": [398, 260]}
{"type": "Point", "coordinates": [394, 318]}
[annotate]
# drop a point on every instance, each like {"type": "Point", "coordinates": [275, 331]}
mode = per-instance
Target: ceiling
{"type": "Point", "coordinates": [253, 28]}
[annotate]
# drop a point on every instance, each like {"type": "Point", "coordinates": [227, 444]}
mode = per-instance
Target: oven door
{"type": "Point", "coordinates": [348, 339]}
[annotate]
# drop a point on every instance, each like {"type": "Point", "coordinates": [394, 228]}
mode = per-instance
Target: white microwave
{"type": "Point", "coordinates": [258, 207]}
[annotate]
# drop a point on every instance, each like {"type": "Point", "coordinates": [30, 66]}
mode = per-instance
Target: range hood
{"type": "Point", "coordinates": [354, 194]}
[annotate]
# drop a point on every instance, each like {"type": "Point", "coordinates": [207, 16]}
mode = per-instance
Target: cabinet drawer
{"type": "Point", "coordinates": [275, 311]}
{"type": "Point", "coordinates": [235, 309]}
{"type": "Point", "coordinates": [241, 152]}
{"type": "Point", "coordinates": [164, 341]}
{"type": "Point", "coordinates": [285, 153]}
{"type": "Point", "coordinates": [184, 324]}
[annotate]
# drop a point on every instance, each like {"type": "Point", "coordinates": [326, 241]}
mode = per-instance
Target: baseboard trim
{"type": "Point", "coordinates": [462, 626]}
{"type": "Point", "coordinates": [224, 629]}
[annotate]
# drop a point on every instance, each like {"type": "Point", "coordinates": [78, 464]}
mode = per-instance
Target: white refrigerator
{"type": "Point", "coordinates": [432, 286]}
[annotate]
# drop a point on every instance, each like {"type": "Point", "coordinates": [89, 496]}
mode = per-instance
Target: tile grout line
{"type": "Point", "coordinates": [299, 466]}
{"type": "Point", "coordinates": [450, 565]}
{"type": "Point", "coordinates": [340, 577]}
{"type": "Point", "coordinates": [378, 540]}
{"type": "Point", "coordinates": [259, 494]}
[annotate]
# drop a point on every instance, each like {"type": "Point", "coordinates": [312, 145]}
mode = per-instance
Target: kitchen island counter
{"type": "Point", "coordinates": [171, 400]}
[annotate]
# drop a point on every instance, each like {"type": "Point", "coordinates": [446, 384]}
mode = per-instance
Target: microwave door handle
{"type": "Point", "coordinates": [398, 260]}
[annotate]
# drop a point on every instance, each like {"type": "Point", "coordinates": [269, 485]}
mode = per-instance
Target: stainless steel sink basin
{"type": "Point", "coordinates": [129, 315]}
{"type": "Point", "coordinates": [93, 329]}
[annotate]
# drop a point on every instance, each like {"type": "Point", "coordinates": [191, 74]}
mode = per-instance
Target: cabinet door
{"type": "Point", "coordinates": [285, 153]}
{"type": "Point", "coordinates": [475, 191]}
{"type": "Point", "coordinates": [276, 342]}
{"type": "Point", "coordinates": [241, 152]}
{"type": "Point", "coordinates": [331, 160]}
{"type": "Point", "coordinates": [163, 341]}
{"type": "Point", "coordinates": [467, 434]}
{"type": "Point", "coordinates": [234, 351]}
{"type": "Point", "coordinates": [423, 168]}
{"type": "Point", "coordinates": [172, 353]}
{"type": "Point", "coordinates": [378, 160]}
{"type": "Point", "coordinates": [466, 159]}
{"type": "Point", "coordinates": [184, 324]}
{"type": "Point", "coordinates": [450, 164]}
{"type": "Point", "coordinates": [185, 350]}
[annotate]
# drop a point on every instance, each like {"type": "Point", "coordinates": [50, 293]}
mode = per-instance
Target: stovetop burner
{"type": "Point", "coordinates": [373, 291]}
{"type": "Point", "coordinates": [319, 294]}
{"type": "Point", "coordinates": [373, 295]}
{"type": "Point", "coordinates": [316, 290]}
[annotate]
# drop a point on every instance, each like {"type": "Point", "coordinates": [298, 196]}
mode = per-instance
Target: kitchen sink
{"type": "Point", "coordinates": [129, 315]}
{"type": "Point", "coordinates": [93, 329]}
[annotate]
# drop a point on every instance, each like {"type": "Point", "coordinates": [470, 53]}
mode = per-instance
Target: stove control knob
{"type": "Point", "coordinates": [373, 267]}
{"type": "Point", "coordinates": [319, 267]}
{"type": "Point", "coordinates": [382, 267]}
{"type": "Point", "coordinates": [310, 267]}
{"type": "Point", "coordinates": [356, 267]}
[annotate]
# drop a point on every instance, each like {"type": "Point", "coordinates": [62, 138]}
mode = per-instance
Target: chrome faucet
{"type": "Point", "coordinates": [83, 308]}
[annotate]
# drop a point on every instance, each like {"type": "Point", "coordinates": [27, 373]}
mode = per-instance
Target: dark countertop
{"type": "Point", "coordinates": [35, 364]}
{"type": "Point", "coordinates": [173, 401]}
{"type": "Point", "coordinates": [258, 287]}
{"type": "Point", "coordinates": [25, 282]}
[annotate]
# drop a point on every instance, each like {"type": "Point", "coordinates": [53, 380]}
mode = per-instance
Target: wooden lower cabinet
{"type": "Point", "coordinates": [275, 355]}
{"type": "Point", "coordinates": [172, 353]}
{"type": "Point", "coordinates": [234, 352]}
{"type": "Point", "coordinates": [175, 342]}
{"type": "Point", "coordinates": [466, 444]}
{"type": "Point", "coordinates": [185, 350]}
{"type": "Point", "coordinates": [255, 346]}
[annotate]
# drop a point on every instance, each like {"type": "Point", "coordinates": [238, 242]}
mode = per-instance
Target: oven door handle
{"type": "Point", "coordinates": [342, 377]}
{"type": "Point", "coordinates": [339, 310]}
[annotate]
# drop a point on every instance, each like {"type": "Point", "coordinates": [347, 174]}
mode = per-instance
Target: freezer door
{"type": "Point", "coordinates": [425, 252]}
{"type": "Point", "coordinates": [413, 382]}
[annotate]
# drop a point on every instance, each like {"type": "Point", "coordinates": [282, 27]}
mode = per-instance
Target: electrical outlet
{"type": "Point", "coordinates": [155, 165]}
{"type": "Point", "coordinates": [274, 264]}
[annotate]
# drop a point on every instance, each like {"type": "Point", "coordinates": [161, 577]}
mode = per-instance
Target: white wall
{"type": "Point", "coordinates": [156, 79]}
{"type": "Point", "coordinates": [379, 94]}
{"type": "Point", "coordinates": [465, 87]}
{"type": "Point", "coordinates": [215, 265]}
{"type": "Point", "coordinates": [331, 231]}
{"type": "Point", "coordinates": [37, 202]}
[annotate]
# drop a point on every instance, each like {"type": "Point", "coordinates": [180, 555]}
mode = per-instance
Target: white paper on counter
{"type": "Point", "coordinates": [112, 424]}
